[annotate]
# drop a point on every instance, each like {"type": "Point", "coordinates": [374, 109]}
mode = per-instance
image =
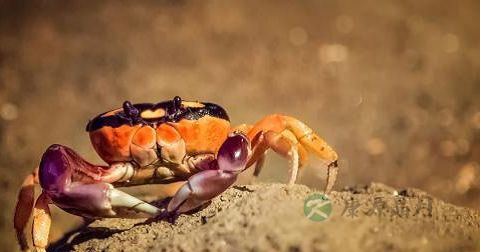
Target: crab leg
{"type": "Point", "coordinates": [41, 223]}
{"type": "Point", "coordinates": [24, 207]}
{"type": "Point", "coordinates": [205, 185]}
{"type": "Point", "coordinates": [293, 139]}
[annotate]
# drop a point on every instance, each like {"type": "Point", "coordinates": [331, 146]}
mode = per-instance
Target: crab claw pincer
{"type": "Point", "coordinates": [200, 188]}
{"type": "Point", "coordinates": [63, 177]}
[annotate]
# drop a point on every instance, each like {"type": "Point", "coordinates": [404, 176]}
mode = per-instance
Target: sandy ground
{"type": "Point", "coordinates": [270, 217]}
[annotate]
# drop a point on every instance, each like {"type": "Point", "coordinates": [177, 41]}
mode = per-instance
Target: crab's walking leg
{"type": "Point", "coordinates": [332, 173]}
{"type": "Point", "coordinates": [283, 144]}
{"type": "Point", "coordinates": [24, 207]}
{"type": "Point", "coordinates": [293, 139]}
{"type": "Point", "coordinates": [259, 165]}
{"type": "Point", "coordinates": [205, 185]}
{"type": "Point", "coordinates": [41, 223]}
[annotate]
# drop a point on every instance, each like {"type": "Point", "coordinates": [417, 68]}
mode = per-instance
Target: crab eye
{"type": "Point", "coordinates": [126, 106]}
{"type": "Point", "coordinates": [177, 101]}
{"type": "Point", "coordinates": [129, 109]}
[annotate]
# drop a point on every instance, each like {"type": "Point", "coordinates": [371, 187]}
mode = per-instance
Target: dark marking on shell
{"type": "Point", "coordinates": [175, 112]}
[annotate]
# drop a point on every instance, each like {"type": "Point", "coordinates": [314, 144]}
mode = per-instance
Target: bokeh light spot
{"type": "Point", "coordinates": [466, 177]}
{"type": "Point", "coordinates": [9, 111]}
{"type": "Point", "coordinates": [298, 36]}
{"type": "Point", "coordinates": [451, 43]}
{"type": "Point", "coordinates": [333, 53]}
{"type": "Point", "coordinates": [375, 146]}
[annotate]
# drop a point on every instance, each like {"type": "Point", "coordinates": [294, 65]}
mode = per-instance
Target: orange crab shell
{"type": "Point", "coordinates": [113, 144]}
{"type": "Point", "coordinates": [202, 126]}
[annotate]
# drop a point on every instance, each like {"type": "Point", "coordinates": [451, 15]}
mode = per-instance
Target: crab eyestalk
{"type": "Point", "coordinates": [130, 110]}
{"type": "Point", "coordinates": [177, 103]}
{"type": "Point", "coordinates": [200, 188]}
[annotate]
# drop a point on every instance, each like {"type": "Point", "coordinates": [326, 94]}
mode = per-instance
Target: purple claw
{"type": "Point", "coordinates": [205, 185]}
{"type": "Point", "coordinates": [233, 154]}
{"type": "Point", "coordinates": [57, 165]}
{"type": "Point", "coordinates": [63, 178]}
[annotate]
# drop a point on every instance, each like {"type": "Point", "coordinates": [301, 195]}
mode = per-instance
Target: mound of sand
{"type": "Point", "coordinates": [270, 217]}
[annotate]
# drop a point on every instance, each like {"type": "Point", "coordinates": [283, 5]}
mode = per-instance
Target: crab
{"type": "Point", "coordinates": [171, 141]}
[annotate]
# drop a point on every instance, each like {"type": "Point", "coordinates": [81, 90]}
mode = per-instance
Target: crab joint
{"type": "Point", "coordinates": [203, 186]}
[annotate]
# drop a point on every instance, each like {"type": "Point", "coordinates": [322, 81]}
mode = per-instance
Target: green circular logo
{"type": "Point", "coordinates": [317, 207]}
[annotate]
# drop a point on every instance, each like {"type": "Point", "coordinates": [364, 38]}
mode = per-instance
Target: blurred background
{"type": "Point", "coordinates": [393, 86]}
